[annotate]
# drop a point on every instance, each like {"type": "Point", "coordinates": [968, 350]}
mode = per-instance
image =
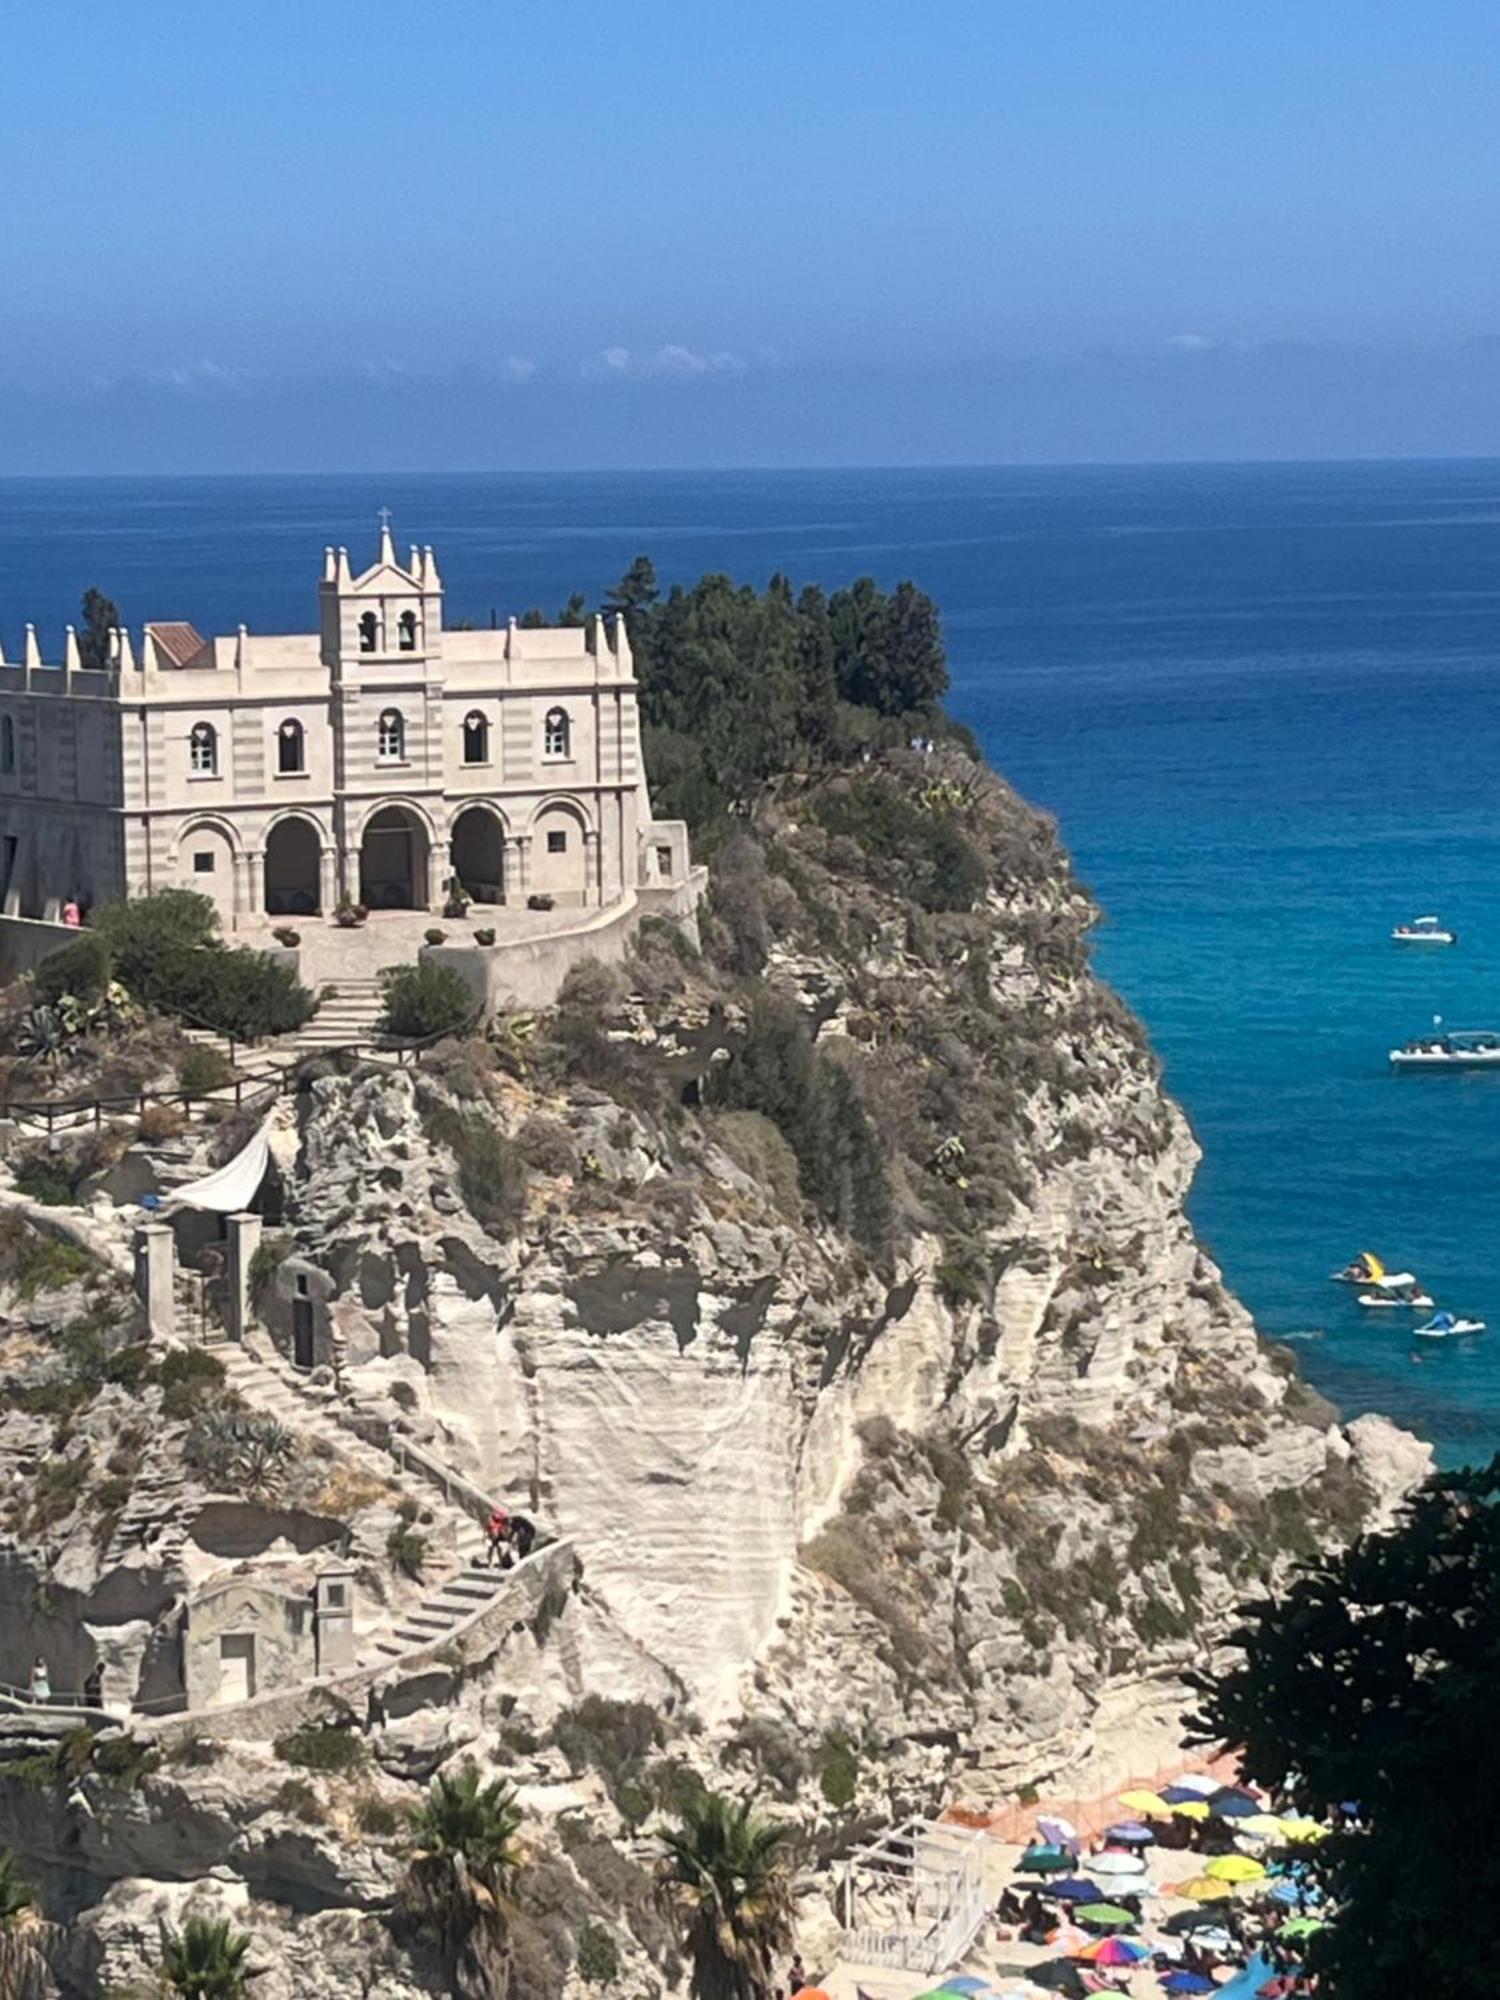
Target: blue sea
{"type": "Point", "coordinates": [1263, 701]}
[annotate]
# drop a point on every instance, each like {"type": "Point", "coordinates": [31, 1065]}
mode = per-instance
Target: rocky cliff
{"type": "Point", "coordinates": [829, 1289]}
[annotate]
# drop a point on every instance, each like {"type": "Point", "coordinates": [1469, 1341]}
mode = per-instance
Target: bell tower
{"type": "Point", "coordinates": [387, 616]}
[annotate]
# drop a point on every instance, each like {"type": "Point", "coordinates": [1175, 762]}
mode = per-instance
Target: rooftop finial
{"type": "Point", "coordinates": [387, 547]}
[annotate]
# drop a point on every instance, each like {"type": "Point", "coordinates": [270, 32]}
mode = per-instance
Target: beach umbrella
{"type": "Point", "coordinates": [1130, 1834]}
{"type": "Point", "coordinates": [1056, 1831]}
{"type": "Point", "coordinates": [1144, 1802]}
{"type": "Point", "coordinates": [1115, 1951]}
{"type": "Point", "coordinates": [1056, 1975]}
{"type": "Point", "coordinates": [1203, 1889]}
{"type": "Point", "coordinates": [1112, 1863]}
{"type": "Point", "coordinates": [1044, 1861]}
{"type": "Point", "coordinates": [1305, 1832]}
{"type": "Point", "coordinates": [1234, 1868]}
{"type": "Point", "coordinates": [1075, 1889]}
{"type": "Point", "coordinates": [964, 1982]}
{"type": "Point", "coordinates": [1263, 1826]}
{"type": "Point", "coordinates": [1104, 1916]}
{"type": "Point", "coordinates": [816, 1993]}
{"type": "Point", "coordinates": [1233, 1804]}
{"type": "Point", "coordinates": [1191, 1809]}
{"type": "Point", "coordinates": [1196, 1782]}
{"type": "Point", "coordinates": [1287, 1892]}
{"type": "Point", "coordinates": [1187, 1982]}
{"type": "Point", "coordinates": [1301, 1927]}
{"type": "Point", "coordinates": [1067, 1938]}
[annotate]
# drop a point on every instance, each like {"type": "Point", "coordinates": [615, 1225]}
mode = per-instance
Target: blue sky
{"type": "Point", "coordinates": [554, 233]}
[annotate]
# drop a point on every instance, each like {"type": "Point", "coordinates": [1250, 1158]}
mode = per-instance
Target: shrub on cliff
{"type": "Point", "coordinates": [83, 968]}
{"type": "Point", "coordinates": [424, 1000]}
{"type": "Point", "coordinates": [166, 951]}
{"type": "Point", "coordinates": [491, 1172]}
{"type": "Point", "coordinates": [1375, 1679]}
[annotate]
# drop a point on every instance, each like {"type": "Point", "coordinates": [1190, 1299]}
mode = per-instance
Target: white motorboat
{"type": "Point", "coordinates": [1443, 1326]}
{"type": "Point", "coordinates": [1423, 930]}
{"type": "Point", "coordinates": [1395, 1291]}
{"type": "Point", "coordinates": [1455, 1048]}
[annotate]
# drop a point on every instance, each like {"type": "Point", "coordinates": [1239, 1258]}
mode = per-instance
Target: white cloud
{"type": "Point", "coordinates": [517, 368]}
{"type": "Point", "coordinates": [672, 361]}
{"type": "Point", "coordinates": [201, 374]}
{"type": "Point", "coordinates": [1191, 343]}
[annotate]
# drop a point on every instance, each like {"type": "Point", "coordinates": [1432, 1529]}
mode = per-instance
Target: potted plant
{"type": "Point", "coordinates": [348, 914]}
{"type": "Point", "coordinates": [284, 934]}
{"type": "Point", "coordinates": [538, 901]}
{"type": "Point", "coordinates": [459, 899]}
{"type": "Point", "coordinates": [434, 936]}
{"type": "Point", "coordinates": [484, 937]}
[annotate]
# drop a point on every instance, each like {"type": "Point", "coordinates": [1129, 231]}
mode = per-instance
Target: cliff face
{"type": "Point", "coordinates": [968, 1449]}
{"type": "Point", "coordinates": [829, 1290]}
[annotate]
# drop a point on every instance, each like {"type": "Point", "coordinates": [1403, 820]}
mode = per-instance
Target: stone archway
{"type": "Point", "coordinates": [293, 873]}
{"type": "Point", "coordinates": [559, 853]}
{"type": "Point", "coordinates": [206, 859]}
{"type": "Point", "coordinates": [476, 851]}
{"type": "Point", "coordinates": [393, 873]}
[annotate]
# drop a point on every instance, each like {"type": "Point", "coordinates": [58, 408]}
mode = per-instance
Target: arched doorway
{"type": "Point", "coordinates": [205, 862]}
{"type": "Point", "coordinates": [559, 853]}
{"type": "Point", "coordinates": [292, 871]}
{"type": "Point", "coordinates": [477, 853]}
{"type": "Point", "coordinates": [393, 861]}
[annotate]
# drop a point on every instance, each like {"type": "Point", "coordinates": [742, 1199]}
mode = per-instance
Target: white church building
{"type": "Point", "coordinates": [375, 760]}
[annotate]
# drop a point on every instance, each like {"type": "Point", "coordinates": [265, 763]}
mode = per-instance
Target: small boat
{"type": "Point", "coordinates": [1366, 1269]}
{"type": "Point", "coordinates": [1423, 930]}
{"type": "Point", "coordinates": [1455, 1048]}
{"type": "Point", "coordinates": [1443, 1326]}
{"type": "Point", "coordinates": [1398, 1289]}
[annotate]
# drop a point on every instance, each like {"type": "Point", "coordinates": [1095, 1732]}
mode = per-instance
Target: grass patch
{"type": "Point", "coordinates": [338, 1752]}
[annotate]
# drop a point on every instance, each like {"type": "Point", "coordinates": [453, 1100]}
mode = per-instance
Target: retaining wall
{"type": "Point", "coordinates": [26, 941]}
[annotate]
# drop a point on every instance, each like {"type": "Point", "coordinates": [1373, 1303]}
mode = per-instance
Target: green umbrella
{"type": "Point", "coordinates": [1301, 1927]}
{"type": "Point", "coordinates": [1044, 1861]}
{"type": "Point", "coordinates": [1104, 1916]}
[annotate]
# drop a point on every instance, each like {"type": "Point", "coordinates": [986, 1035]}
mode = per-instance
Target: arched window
{"type": "Point", "coordinates": [7, 744]}
{"type": "Point", "coordinates": [203, 749]}
{"type": "Point", "coordinates": [476, 738]}
{"type": "Point", "coordinates": [369, 631]}
{"type": "Point", "coordinates": [407, 626]}
{"type": "Point", "coordinates": [392, 746]}
{"type": "Point", "coordinates": [557, 734]}
{"type": "Point", "coordinates": [291, 753]}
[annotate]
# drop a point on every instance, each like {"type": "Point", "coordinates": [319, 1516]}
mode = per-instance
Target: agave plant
{"type": "Point", "coordinates": [40, 1034]}
{"type": "Point", "coordinates": [205, 1960]}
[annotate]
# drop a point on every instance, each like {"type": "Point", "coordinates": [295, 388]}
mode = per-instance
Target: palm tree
{"type": "Point", "coordinates": [457, 1882]}
{"type": "Point", "coordinates": [205, 1960]}
{"type": "Point", "coordinates": [726, 1878]}
{"type": "Point", "coordinates": [24, 1973]}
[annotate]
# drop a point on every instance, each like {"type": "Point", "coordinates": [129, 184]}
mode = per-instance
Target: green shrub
{"type": "Point", "coordinates": [407, 1551]}
{"type": "Point", "coordinates": [46, 1178]}
{"type": "Point", "coordinates": [190, 1377]}
{"type": "Point", "coordinates": [426, 999]}
{"type": "Point", "coordinates": [35, 1263]}
{"type": "Point", "coordinates": [297, 1799]}
{"type": "Point", "coordinates": [491, 1172]}
{"type": "Point", "coordinates": [377, 1816]}
{"type": "Point", "coordinates": [246, 994]}
{"type": "Point", "coordinates": [598, 1956]}
{"type": "Point", "coordinates": [200, 1070]}
{"type": "Point", "coordinates": [124, 1761]}
{"type": "Point", "coordinates": [314, 1747]}
{"type": "Point", "coordinates": [83, 968]}
{"type": "Point", "coordinates": [838, 1769]}
{"type": "Point", "coordinates": [940, 867]}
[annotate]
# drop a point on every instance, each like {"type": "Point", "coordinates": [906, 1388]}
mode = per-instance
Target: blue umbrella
{"type": "Point", "coordinates": [1230, 1804]}
{"type": "Point", "coordinates": [1179, 1795]}
{"type": "Point", "coordinates": [965, 1983]}
{"type": "Point", "coordinates": [1075, 1889]}
{"type": "Point", "coordinates": [1130, 1833]}
{"type": "Point", "coordinates": [1287, 1892]}
{"type": "Point", "coordinates": [1187, 1982]}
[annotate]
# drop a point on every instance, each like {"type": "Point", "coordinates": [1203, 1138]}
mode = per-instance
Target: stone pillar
{"type": "Point", "coordinates": [439, 868]}
{"type": "Point", "coordinates": [251, 886]}
{"type": "Point", "coordinates": [155, 1271]}
{"type": "Point", "coordinates": [593, 867]}
{"type": "Point", "coordinates": [333, 1619]}
{"type": "Point", "coordinates": [244, 1241]}
{"type": "Point", "coordinates": [522, 845]}
{"type": "Point", "coordinates": [328, 879]}
{"type": "Point", "coordinates": [351, 873]}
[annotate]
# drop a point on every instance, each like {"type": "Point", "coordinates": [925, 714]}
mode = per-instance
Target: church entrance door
{"type": "Point", "coordinates": [393, 861]}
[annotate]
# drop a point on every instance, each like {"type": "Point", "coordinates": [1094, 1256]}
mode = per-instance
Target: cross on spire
{"type": "Point", "coordinates": [383, 516]}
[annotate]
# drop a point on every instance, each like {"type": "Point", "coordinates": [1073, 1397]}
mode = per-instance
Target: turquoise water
{"type": "Point", "coordinates": [1261, 700]}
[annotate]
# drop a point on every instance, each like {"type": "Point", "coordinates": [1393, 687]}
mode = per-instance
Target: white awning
{"type": "Point", "coordinates": [229, 1188]}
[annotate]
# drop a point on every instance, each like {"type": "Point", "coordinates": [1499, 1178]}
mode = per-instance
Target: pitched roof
{"type": "Point", "coordinates": [179, 645]}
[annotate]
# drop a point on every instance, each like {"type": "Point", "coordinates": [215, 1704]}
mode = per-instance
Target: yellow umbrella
{"type": "Point", "coordinates": [1263, 1826]}
{"type": "Point", "coordinates": [1192, 1809]}
{"type": "Point", "coordinates": [1305, 1830]}
{"type": "Point", "coordinates": [1203, 1889]}
{"type": "Point", "coordinates": [1234, 1868]}
{"type": "Point", "coordinates": [1149, 1803]}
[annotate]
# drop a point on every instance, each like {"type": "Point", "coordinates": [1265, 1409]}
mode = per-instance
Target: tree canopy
{"type": "Point", "coordinates": [725, 1876]}
{"type": "Point", "coordinates": [101, 616]}
{"type": "Point", "coordinates": [1374, 1682]}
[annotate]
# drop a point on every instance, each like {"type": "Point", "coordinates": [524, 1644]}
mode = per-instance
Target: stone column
{"type": "Point", "coordinates": [351, 873]}
{"type": "Point", "coordinates": [439, 868]}
{"type": "Point", "coordinates": [328, 879]}
{"type": "Point", "coordinates": [244, 1241]}
{"type": "Point", "coordinates": [155, 1271]}
{"type": "Point", "coordinates": [593, 867]}
{"type": "Point", "coordinates": [522, 845]}
{"type": "Point", "coordinates": [252, 885]}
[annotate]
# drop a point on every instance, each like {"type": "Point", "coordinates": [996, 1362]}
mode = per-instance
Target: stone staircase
{"type": "Point", "coordinates": [455, 1535]}
{"type": "Point", "coordinates": [349, 1017]}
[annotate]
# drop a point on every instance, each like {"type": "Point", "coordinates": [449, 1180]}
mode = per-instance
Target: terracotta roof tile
{"type": "Point", "coordinates": [179, 645]}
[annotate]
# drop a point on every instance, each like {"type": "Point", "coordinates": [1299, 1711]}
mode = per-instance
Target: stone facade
{"type": "Point", "coordinates": [374, 759]}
